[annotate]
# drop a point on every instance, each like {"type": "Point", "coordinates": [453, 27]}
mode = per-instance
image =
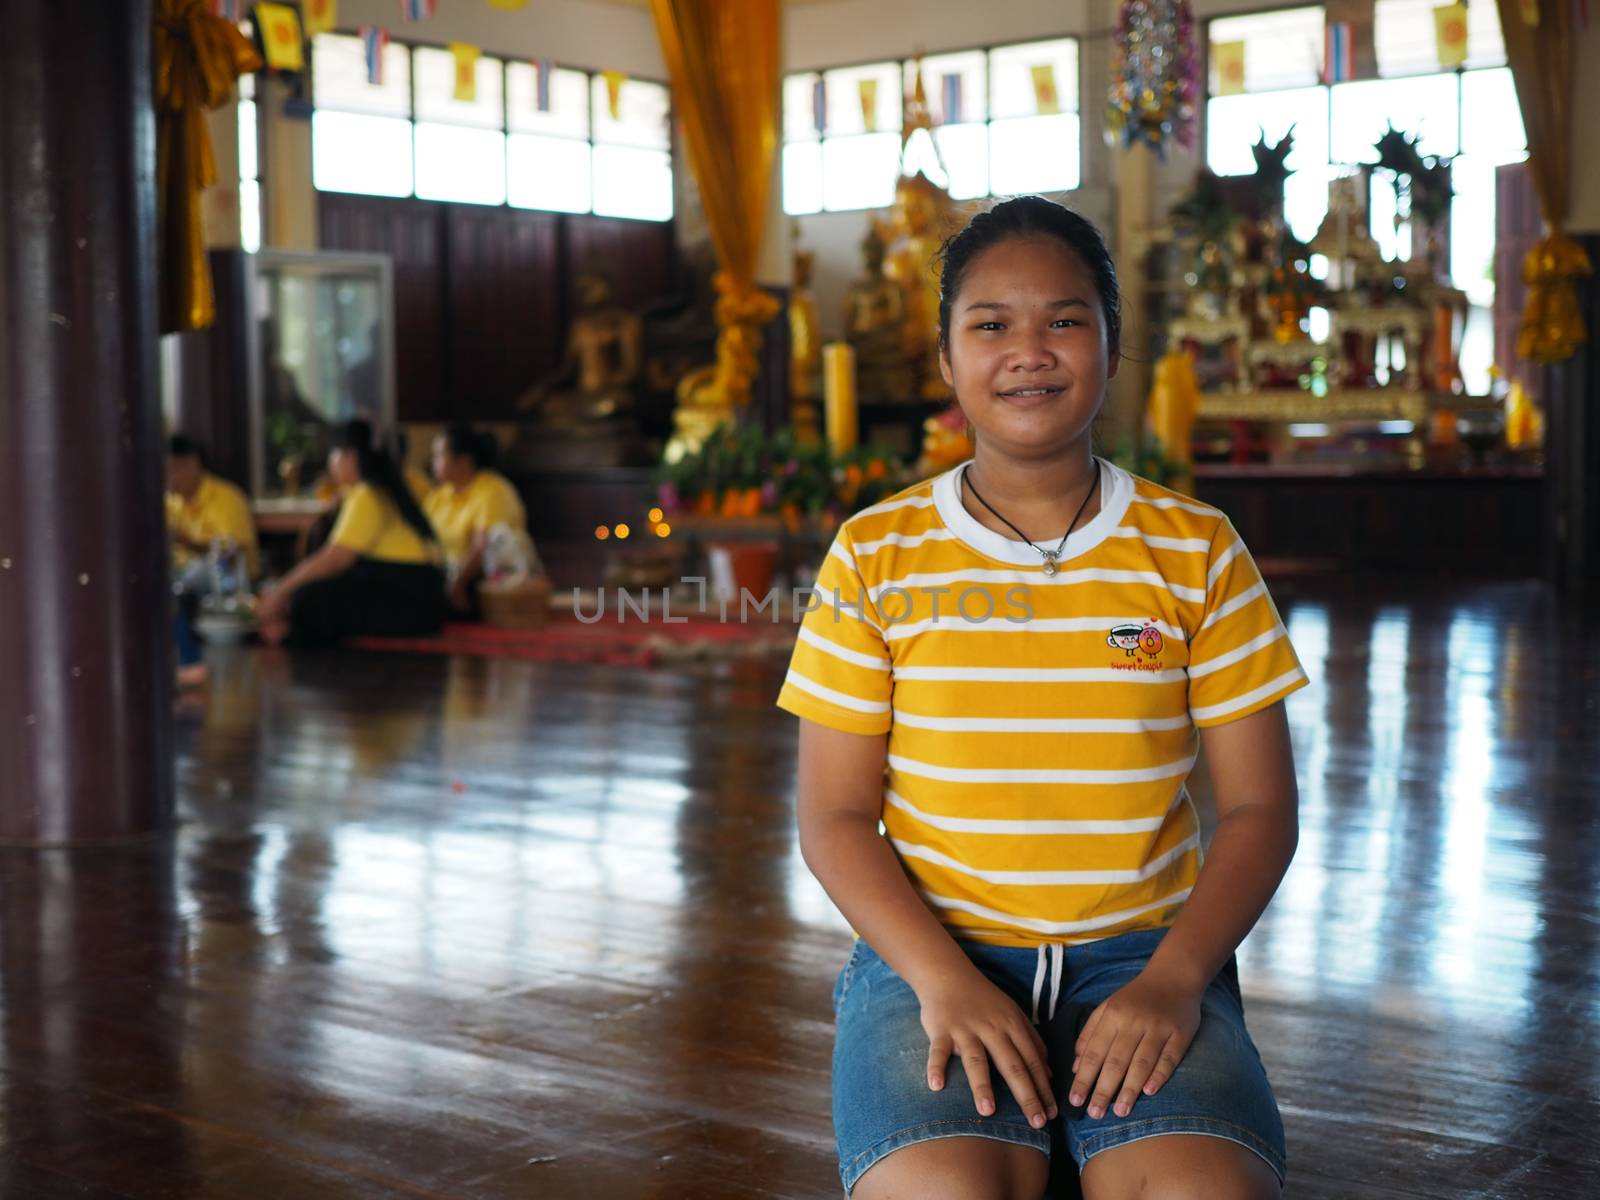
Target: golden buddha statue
{"type": "Point", "coordinates": [805, 347]}
{"type": "Point", "coordinates": [874, 320]}
{"type": "Point", "coordinates": [910, 260]}
{"type": "Point", "coordinates": [600, 369]}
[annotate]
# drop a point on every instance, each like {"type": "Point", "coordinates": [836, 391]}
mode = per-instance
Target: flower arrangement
{"type": "Point", "coordinates": [746, 472]}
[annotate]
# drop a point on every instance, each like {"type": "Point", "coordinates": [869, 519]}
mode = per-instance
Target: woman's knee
{"type": "Point", "coordinates": [956, 1168]}
{"type": "Point", "coordinates": [1180, 1167]}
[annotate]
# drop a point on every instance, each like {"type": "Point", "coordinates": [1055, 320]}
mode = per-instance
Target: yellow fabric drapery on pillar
{"type": "Point", "coordinates": [722, 56]}
{"type": "Point", "coordinates": [198, 55]}
{"type": "Point", "coordinates": [1540, 53]}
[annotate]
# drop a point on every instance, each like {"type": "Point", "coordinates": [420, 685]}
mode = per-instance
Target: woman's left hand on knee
{"type": "Point", "coordinates": [1132, 1043]}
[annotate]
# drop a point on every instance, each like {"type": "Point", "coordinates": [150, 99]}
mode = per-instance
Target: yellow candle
{"type": "Point", "coordinates": [839, 395]}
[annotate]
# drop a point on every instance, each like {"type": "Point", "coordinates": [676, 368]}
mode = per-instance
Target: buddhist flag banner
{"type": "Point", "coordinates": [1338, 53]}
{"type": "Point", "coordinates": [466, 89]}
{"type": "Point", "coordinates": [374, 42]}
{"type": "Point", "coordinates": [1047, 100]}
{"type": "Point", "coordinates": [950, 95]}
{"type": "Point", "coordinates": [819, 106]}
{"type": "Point", "coordinates": [1450, 30]}
{"type": "Point", "coordinates": [417, 10]}
{"type": "Point", "coordinates": [229, 10]}
{"type": "Point", "coordinates": [280, 37]}
{"type": "Point", "coordinates": [1228, 58]}
{"type": "Point", "coordinates": [543, 68]}
{"type": "Point", "coordinates": [614, 81]}
{"type": "Point", "coordinates": [321, 16]}
{"type": "Point", "coordinates": [868, 90]}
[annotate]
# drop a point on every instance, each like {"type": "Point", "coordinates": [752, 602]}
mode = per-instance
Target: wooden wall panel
{"type": "Point", "coordinates": [482, 295]}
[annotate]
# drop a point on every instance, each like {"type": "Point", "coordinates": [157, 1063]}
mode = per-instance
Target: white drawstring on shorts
{"type": "Point", "coordinates": [1056, 953]}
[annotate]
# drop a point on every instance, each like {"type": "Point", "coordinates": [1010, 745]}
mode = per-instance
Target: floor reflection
{"type": "Point", "coordinates": [491, 929]}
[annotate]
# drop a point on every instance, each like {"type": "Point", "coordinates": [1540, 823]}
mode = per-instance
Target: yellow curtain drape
{"type": "Point", "coordinates": [198, 55]}
{"type": "Point", "coordinates": [1538, 36]}
{"type": "Point", "coordinates": [722, 56]}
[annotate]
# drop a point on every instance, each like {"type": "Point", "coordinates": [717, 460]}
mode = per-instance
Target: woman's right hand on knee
{"type": "Point", "coordinates": [976, 1021]}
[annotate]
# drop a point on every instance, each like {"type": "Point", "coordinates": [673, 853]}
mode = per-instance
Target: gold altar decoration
{"type": "Point", "coordinates": [198, 55]}
{"type": "Point", "coordinates": [1538, 36]}
{"type": "Point", "coordinates": [722, 56]}
{"type": "Point", "coordinates": [839, 396]}
{"type": "Point", "coordinates": [805, 345]}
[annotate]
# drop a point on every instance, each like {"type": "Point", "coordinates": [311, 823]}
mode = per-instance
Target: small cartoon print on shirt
{"type": "Point", "coordinates": [1131, 638]}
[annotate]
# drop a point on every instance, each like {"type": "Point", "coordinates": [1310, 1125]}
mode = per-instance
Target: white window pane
{"type": "Point", "coordinates": [1305, 200]}
{"type": "Point", "coordinates": [339, 77]}
{"type": "Point", "coordinates": [800, 107]}
{"type": "Point", "coordinates": [1472, 227]}
{"type": "Point", "coordinates": [642, 114]}
{"type": "Point", "coordinates": [249, 167]}
{"type": "Point", "coordinates": [1236, 123]}
{"type": "Point", "coordinates": [456, 162]}
{"type": "Point", "coordinates": [352, 152]}
{"type": "Point", "coordinates": [1477, 350]}
{"type": "Point", "coordinates": [1282, 50]}
{"type": "Point", "coordinates": [630, 182]}
{"type": "Point", "coordinates": [436, 86]}
{"type": "Point", "coordinates": [1011, 80]}
{"type": "Point", "coordinates": [249, 215]}
{"type": "Point", "coordinates": [971, 68]}
{"type": "Point", "coordinates": [548, 173]}
{"type": "Point", "coordinates": [860, 172]}
{"type": "Point", "coordinates": [802, 178]}
{"type": "Point", "coordinates": [1033, 154]}
{"type": "Point", "coordinates": [1406, 38]}
{"type": "Point", "coordinates": [966, 152]}
{"type": "Point", "coordinates": [845, 113]}
{"type": "Point", "coordinates": [1392, 236]}
{"type": "Point", "coordinates": [568, 115]}
{"type": "Point", "coordinates": [1491, 119]}
{"type": "Point", "coordinates": [1424, 104]}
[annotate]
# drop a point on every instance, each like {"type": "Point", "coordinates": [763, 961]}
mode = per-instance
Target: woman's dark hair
{"type": "Point", "coordinates": [379, 468]}
{"type": "Point", "coordinates": [463, 440]}
{"type": "Point", "coordinates": [182, 446]}
{"type": "Point", "coordinates": [1022, 217]}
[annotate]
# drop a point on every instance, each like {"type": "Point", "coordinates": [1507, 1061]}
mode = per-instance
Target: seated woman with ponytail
{"type": "Point", "coordinates": [377, 575]}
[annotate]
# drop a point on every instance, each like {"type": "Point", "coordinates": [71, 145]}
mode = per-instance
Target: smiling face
{"type": "Point", "coordinates": [1028, 353]}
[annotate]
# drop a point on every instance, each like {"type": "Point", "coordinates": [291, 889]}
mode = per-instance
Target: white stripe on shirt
{"type": "Point", "coordinates": [1237, 654]}
{"type": "Point", "coordinates": [842, 699]}
{"type": "Point", "coordinates": [1221, 564]}
{"type": "Point", "coordinates": [905, 540]}
{"type": "Point", "coordinates": [839, 652]}
{"type": "Point", "coordinates": [1232, 606]}
{"type": "Point", "coordinates": [954, 622]}
{"type": "Point", "coordinates": [1040, 674]}
{"type": "Point", "coordinates": [1040, 724]}
{"type": "Point", "coordinates": [1032, 578]}
{"type": "Point", "coordinates": [1203, 510]}
{"type": "Point", "coordinates": [1249, 698]}
{"type": "Point", "coordinates": [1025, 827]}
{"type": "Point", "coordinates": [924, 770]}
{"type": "Point", "coordinates": [1035, 925]}
{"type": "Point", "coordinates": [1050, 878]}
{"type": "Point", "coordinates": [918, 501]}
{"type": "Point", "coordinates": [1188, 545]}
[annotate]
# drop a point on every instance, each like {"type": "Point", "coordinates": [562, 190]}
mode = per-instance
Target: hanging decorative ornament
{"type": "Point", "coordinates": [1154, 75]}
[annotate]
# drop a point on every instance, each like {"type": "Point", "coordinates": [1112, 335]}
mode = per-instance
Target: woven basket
{"type": "Point", "coordinates": [520, 604]}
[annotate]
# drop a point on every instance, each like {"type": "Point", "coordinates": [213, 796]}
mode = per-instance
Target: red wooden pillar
{"type": "Point", "coordinates": [85, 681]}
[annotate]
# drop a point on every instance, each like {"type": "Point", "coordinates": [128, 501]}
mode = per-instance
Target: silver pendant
{"type": "Point", "coordinates": [1049, 564]}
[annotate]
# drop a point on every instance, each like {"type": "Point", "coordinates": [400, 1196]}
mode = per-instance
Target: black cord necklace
{"type": "Point", "coordinates": [1049, 556]}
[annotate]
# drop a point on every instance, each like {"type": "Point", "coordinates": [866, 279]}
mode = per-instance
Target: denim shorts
{"type": "Point", "coordinates": [881, 1099]}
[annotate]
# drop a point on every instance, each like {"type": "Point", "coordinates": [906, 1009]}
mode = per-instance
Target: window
{"type": "Point", "coordinates": [249, 167]}
{"type": "Point", "coordinates": [1005, 119]}
{"type": "Point", "coordinates": [1470, 115]}
{"type": "Point", "coordinates": [550, 144]}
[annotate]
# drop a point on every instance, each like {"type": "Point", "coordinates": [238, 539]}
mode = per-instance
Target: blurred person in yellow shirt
{"type": "Point", "coordinates": [202, 510]}
{"type": "Point", "coordinates": [471, 499]}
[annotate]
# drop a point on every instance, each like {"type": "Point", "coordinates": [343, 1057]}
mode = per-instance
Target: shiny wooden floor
{"type": "Point", "coordinates": [469, 929]}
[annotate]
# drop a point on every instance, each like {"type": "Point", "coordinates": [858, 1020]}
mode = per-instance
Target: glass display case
{"type": "Point", "coordinates": [321, 345]}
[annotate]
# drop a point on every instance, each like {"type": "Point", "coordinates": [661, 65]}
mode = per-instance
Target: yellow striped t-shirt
{"type": "Point", "coordinates": [1041, 729]}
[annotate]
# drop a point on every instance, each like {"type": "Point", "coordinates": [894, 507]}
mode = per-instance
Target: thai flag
{"type": "Point", "coordinates": [417, 10]}
{"type": "Point", "coordinates": [819, 106]}
{"type": "Point", "coordinates": [543, 68]}
{"type": "Point", "coordinates": [1339, 53]}
{"type": "Point", "coordinates": [950, 87]}
{"type": "Point", "coordinates": [374, 42]}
